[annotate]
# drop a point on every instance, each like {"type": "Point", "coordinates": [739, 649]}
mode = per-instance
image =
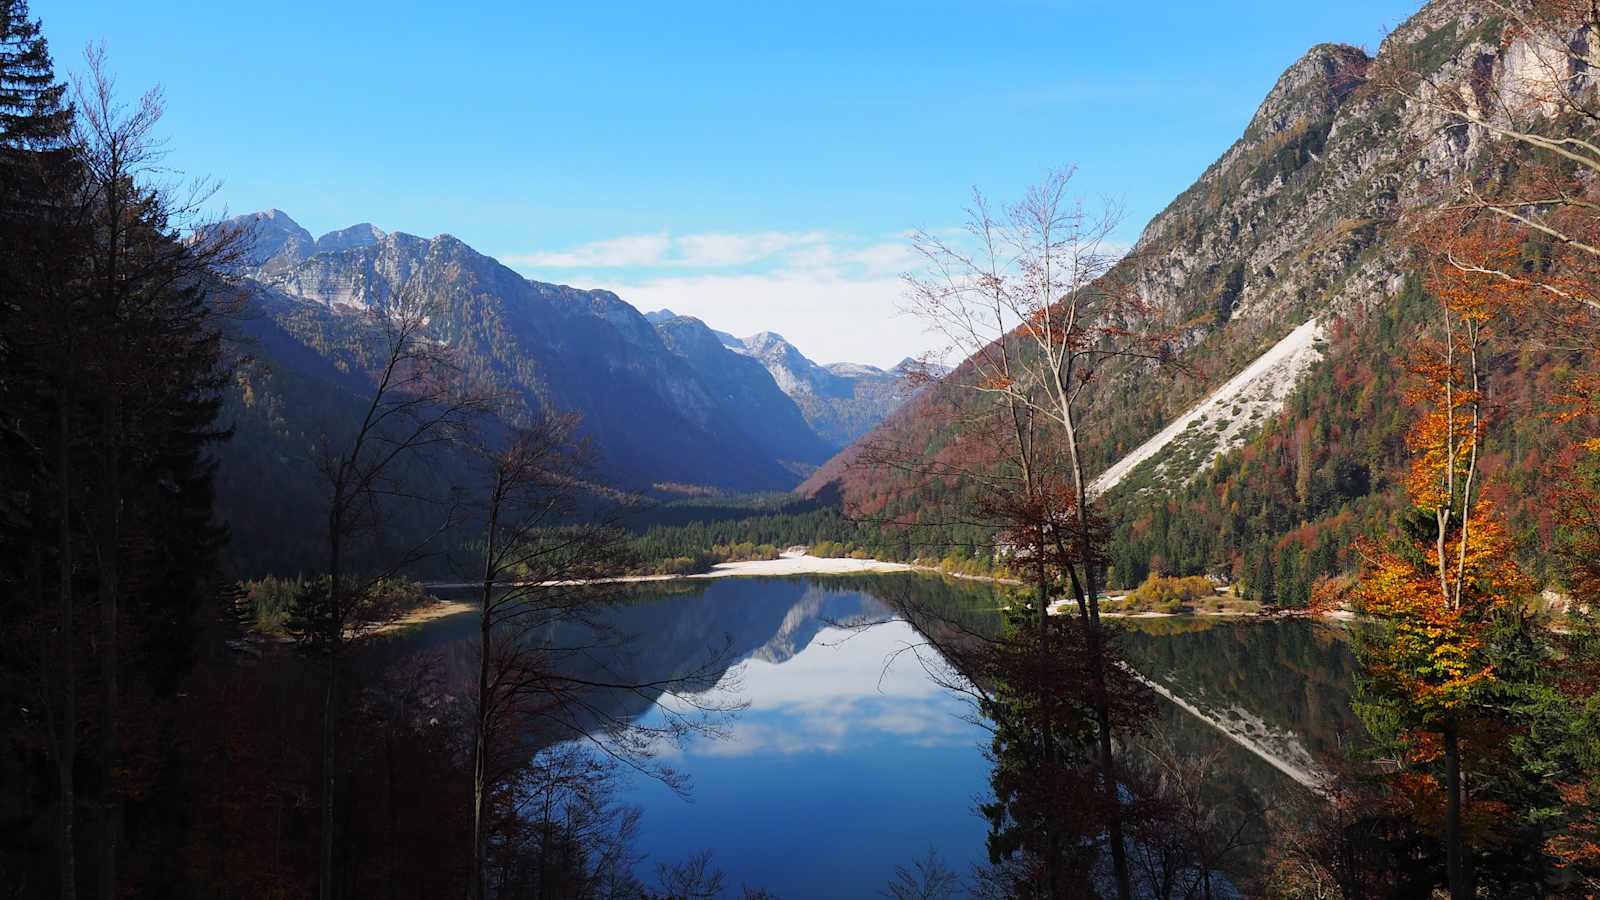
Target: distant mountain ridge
{"type": "Point", "coordinates": [840, 401]}
{"type": "Point", "coordinates": [693, 412]}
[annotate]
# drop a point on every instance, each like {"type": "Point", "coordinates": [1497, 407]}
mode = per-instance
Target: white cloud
{"type": "Point", "coordinates": [725, 250]}
{"type": "Point", "coordinates": [634, 250]}
{"type": "Point", "coordinates": [887, 259]}
{"type": "Point", "coordinates": [709, 250]}
{"type": "Point", "coordinates": [836, 297]}
{"type": "Point", "coordinates": [829, 316]}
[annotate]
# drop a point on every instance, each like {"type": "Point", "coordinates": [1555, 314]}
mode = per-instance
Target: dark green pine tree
{"type": "Point", "coordinates": [33, 111]}
{"type": "Point", "coordinates": [39, 552]}
{"type": "Point", "coordinates": [110, 387]}
{"type": "Point", "coordinates": [153, 356]}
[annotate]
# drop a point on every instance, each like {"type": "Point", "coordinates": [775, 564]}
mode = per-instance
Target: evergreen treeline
{"type": "Point", "coordinates": [696, 545]}
{"type": "Point", "coordinates": [109, 388]}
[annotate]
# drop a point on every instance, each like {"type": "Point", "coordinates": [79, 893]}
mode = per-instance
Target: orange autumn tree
{"type": "Point", "coordinates": [1439, 584]}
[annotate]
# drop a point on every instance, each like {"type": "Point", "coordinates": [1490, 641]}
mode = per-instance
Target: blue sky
{"type": "Point", "coordinates": [755, 164]}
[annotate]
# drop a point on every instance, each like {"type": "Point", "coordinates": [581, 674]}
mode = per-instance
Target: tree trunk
{"type": "Point", "coordinates": [1455, 848]}
{"type": "Point", "coordinates": [330, 709]}
{"type": "Point", "coordinates": [330, 725]}
{"type": "Point", "coordinates": [67, 738]}
{"type": "Point", "coordinates": [110, 656]}
{"type": "Point", "coordinates": [1097, 668]}
{"type": "Point", "coordinates": [480, 750]}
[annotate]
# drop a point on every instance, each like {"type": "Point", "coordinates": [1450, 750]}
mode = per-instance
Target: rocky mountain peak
{"type": "Point", "coordinates": [360, 235]}
{"type": "Point", "coordinates": [268, 234]}
{"type": "Point", "coordinates": [689, 336]}
{"type": "Point", "coordinates": [634, 327]}
{"type": "Point", "coordinates": [763, 340]}
{"type": "Point", "coordinates": [1309, 90]}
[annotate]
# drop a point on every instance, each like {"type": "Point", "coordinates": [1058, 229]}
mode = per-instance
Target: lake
{"type": "Point", "coordinates": [851, 758]}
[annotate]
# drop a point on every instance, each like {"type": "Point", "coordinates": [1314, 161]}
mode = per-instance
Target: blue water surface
{"type": "Point", "coordinates": [849, 760]}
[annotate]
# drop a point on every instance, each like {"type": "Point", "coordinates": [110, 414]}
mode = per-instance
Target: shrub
{"type": "Point", "coordinates": [1162, 590]}
{"type": "Point", "coordinates": [269, 601]}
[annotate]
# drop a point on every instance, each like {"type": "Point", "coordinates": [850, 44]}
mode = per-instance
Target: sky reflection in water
{"type": "Point", "coordinates": [844, 765]}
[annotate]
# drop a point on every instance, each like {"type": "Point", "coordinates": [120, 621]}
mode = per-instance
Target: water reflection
{"type": "Point", "coordinates": [851, 759]}
{"type": "Point", "coordinates": [835, 693]}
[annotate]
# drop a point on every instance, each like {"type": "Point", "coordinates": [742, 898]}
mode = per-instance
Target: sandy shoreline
{"type": "Point", "coordinates": [797, 564]}
{"type": "Point", "coordinates": [439, 609]}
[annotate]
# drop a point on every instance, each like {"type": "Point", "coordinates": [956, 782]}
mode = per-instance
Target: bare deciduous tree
{"type": "Point", "coordinates": [550, 554]}
{"type": "Point", "coordinates": [419, 404]}
{"type": "Point", "coordinates": [1030, 299]}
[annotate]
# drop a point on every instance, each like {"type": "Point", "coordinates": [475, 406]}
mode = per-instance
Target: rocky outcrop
{"type": "Point", "coordinates": [766, 414]}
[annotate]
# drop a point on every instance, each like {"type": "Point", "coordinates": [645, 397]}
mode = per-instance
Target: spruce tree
{"type": "Point", "coordinates": [38, 485]}
{"type": "Point", "coordinates": [33, 112]}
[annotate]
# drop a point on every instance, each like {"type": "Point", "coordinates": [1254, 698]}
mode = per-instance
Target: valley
{"type": "Point", "coordinates": [1124, 533]}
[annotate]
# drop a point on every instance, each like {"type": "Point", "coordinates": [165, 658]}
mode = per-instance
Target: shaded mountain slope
{"type": "Point", "coordinates": [662, 417]}
{"type": "Point", "coordinates": [763, 415]}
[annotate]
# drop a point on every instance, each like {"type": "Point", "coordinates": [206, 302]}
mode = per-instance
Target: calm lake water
{"type": "Point", "coordinates": [850, 760]}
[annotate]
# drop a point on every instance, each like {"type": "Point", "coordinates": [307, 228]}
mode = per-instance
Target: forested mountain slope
{"type": "Point", "coordinates": [1296, 222]}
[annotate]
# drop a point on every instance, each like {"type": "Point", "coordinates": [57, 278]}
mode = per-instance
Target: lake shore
{"type": "Point", "coordinates": [1068, 607]}
{"type": "Point", "coordinates": [796, 564]}
{"type": "Point", "coordinates": [784, 566]}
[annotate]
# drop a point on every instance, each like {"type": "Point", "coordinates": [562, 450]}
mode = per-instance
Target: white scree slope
{"type": "Point", "coordinates": [1247, 398]}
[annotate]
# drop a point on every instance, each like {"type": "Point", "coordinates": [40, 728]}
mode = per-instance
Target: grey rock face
{"type": "Point", "coordinates": [348, 238]}
{"type": "Point", "coordinates": [272, 235]}
{"type": "Point", "coordinates": [842, 401]}
{"type": "Point", "coordinates": [1297, 220]}
{"type": "Point", "coordinates": [768, 415]}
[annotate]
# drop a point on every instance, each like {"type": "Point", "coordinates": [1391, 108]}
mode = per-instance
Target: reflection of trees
{"type": "Point", "coordinates": [1196, 803]}
{"type": "Point", "coordinates": [1195, 827]}
{"type": "Point", "coordinates": [1031, 681]}
{"type": "Point", "coordinates": [1047, 814]}
{"type": "Point", "coordinates": [1296, 675]}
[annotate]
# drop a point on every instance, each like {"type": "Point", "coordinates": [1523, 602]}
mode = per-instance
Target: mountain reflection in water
{"type": "Point", "coordinates": [851, 758]}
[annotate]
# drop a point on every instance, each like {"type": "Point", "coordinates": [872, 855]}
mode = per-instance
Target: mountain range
{"type": "Point", "coordinates": [1270, 446]}
{"type": "Point", "coordinates": [670, 405]}
{"type": "Point", "coordinates": [840, 401]}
